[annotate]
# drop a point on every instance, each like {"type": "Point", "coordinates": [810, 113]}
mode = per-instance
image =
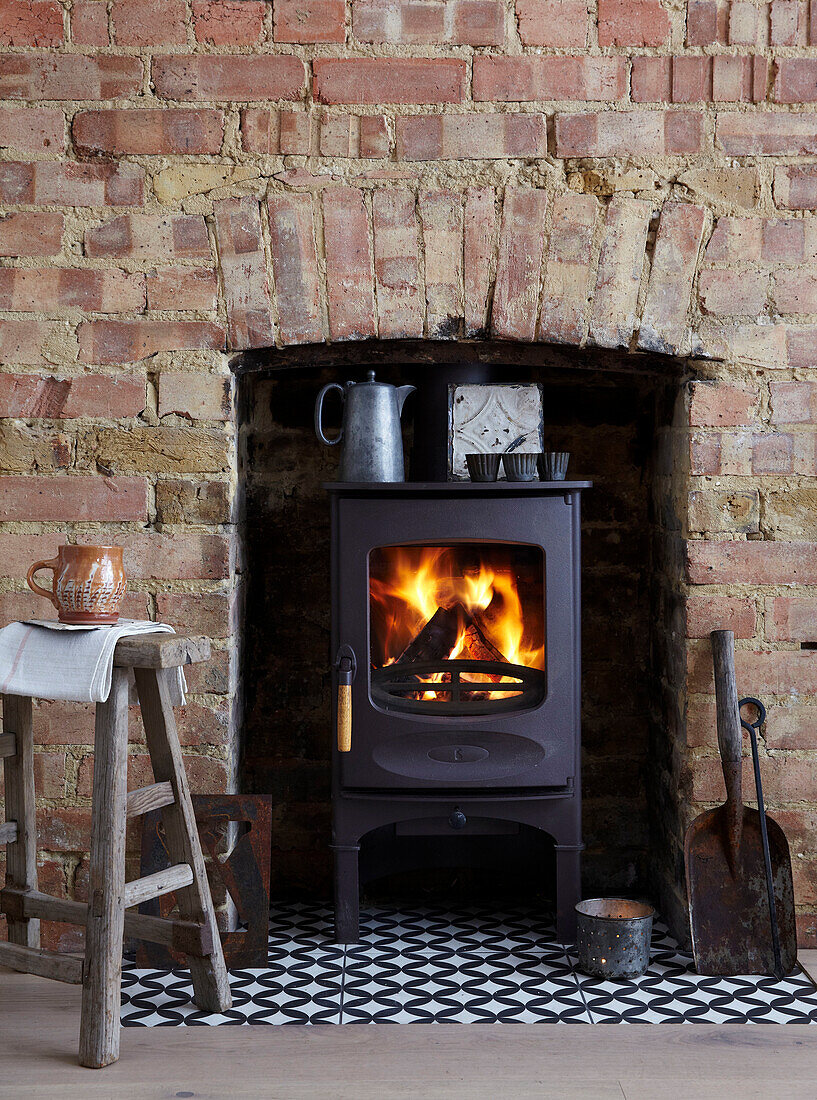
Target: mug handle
{"type": "Point", "coordinates": [53, 565]}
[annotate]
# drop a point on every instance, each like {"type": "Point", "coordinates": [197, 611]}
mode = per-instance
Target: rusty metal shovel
{"type": "Point", "coordinates": [726, 871]}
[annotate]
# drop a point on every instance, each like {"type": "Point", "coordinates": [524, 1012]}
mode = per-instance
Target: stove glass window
{"type": "Point", "coordinates": [457, 629]}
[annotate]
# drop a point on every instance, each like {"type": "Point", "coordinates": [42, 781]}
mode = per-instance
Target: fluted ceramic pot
{"type": "Point", "coordinates": [88, 586]}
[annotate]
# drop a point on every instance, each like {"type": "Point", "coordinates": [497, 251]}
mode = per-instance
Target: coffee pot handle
{"type": "Point", "coordinates": [319, 411]}
{"type": "Point", "coordinates": [53, 565]}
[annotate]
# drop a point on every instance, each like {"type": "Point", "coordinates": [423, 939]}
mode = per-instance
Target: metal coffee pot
{"type": "Point", "coordinates": [370, 431]}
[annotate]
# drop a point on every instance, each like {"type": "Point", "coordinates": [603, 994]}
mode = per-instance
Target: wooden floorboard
{"type": "Point", "coordinates": [39, 1026]}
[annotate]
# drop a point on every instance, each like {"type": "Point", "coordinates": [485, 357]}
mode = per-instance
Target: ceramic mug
{"type": "Point", "coordinates": [88, 586]}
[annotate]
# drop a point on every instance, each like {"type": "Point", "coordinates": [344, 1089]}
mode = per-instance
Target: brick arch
{"type": "Point", "coordinates": [526, 264]}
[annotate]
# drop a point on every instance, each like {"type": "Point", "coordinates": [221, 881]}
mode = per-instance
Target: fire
{"type": "Point", "coordinates": [477, 592]}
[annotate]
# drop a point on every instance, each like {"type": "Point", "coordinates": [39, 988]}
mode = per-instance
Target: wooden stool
{"type": "Point", "coordinates": [104, 917]}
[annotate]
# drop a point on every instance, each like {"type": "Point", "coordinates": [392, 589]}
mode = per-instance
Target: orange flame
{"type": "Point", "coordinates": [409, 584]}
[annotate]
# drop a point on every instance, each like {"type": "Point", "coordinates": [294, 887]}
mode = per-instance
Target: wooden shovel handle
{"type": "Point", "coordinates": [730, 737]}
{"type": "Point", "coordinates": [344, 717]}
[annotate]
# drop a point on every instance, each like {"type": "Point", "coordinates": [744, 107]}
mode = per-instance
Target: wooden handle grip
{"type": "Point", "coordinates": [344, 717]}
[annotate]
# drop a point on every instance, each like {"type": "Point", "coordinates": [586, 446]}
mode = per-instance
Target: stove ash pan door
{"type": "Point", "coordinates": [463, 616]}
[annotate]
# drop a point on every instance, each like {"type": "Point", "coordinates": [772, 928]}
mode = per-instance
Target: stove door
{"type": "Point", "coordinates": [463, 617]}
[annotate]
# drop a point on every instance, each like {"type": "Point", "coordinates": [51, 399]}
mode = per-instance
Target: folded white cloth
{"type": "Point", "coordinates": [51, 660]}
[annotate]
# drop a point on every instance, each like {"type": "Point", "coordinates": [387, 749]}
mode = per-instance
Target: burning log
{"type": "Point", "coordinates": [437, 639]}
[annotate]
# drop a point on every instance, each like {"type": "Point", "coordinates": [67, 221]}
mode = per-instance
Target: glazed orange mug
{"type": "Point", "coordinates": [88, 585]}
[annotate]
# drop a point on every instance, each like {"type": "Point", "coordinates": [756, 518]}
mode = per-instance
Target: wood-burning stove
{"type": "Point", "coordinates": [455, 625]}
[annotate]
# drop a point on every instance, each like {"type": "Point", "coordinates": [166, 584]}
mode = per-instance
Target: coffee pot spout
{"type": "Point", "coordinates": [402, 394]}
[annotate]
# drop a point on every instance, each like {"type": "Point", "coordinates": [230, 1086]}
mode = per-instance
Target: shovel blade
{"type": "Point", "coordinates": [729, 912]}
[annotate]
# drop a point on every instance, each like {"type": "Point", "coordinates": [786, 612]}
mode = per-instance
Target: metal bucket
{"type": "Point", "coordinates": [614, 937]}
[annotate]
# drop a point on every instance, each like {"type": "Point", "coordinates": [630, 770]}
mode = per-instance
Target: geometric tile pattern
{"type": "Point", "coordinates": [432, 965]}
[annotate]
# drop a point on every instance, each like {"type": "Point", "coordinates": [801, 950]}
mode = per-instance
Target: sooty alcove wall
{"type": "Point", "coordinates": [614, 414]}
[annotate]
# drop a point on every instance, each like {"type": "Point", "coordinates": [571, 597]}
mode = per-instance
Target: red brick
{"type": "Point", "coordinates": [33, 396]}
{"type": "Point", "coordinates": [270, 131]}
{"type": "Point", "coordinates": [533, 77]}
{"type": "Point", "coordinates": [89, 23]}
{"type": "Point", "coordinates": [629, 133]}
{"type": "Point", "coordinates": [651, 80]}
{"type": "Point", "coordinates": [791, 619]}
{"type": "Point", "coordinates": [150, 237]}
{"type": "Point", "coordinates": [345, 135]}
{"type": "Point", "coordinates": [49, 774]}
{"type": "Point", "coordinates": [770, 672]}
{"type": "Point", "coordinates": [735, 239]}
{"type": "Point", "coordinates": [632, 23]}
{"type": "Point", "coordinates": [766, 134]}
{"type": "Point", "coordinates": [194, 394]}
{"type": "Point", "coordinates": [32, 130]}
{"type": "Point", "coordinates": [754, 562]}
{"type": "Point", "coordinates": [743, 23]}
{"type": "Point", "coordinates": [706, 22]}
{"type": "Point", "coordinates": [519, 266]}
{"type": "Point", "coordinates": [664, 319]}
{"type": "Point", "coordinates": [233, 77]}
{"type": "Point", "coordinates": [621, 261]}
{"type": "Point", "coordinates": [69, 184]}
{"type": "Point", "coordinates": [429, 22]}
{"type": "Point", "coordinates": [785, 778]}
{"type": "Point", "coordinates": [713, 404]}
{"type": "Point", "coordinates": [309, 20]}
{"type": "Point", "coordinates": [23, 342]}
{"type": "Point", "coordinates": [389, 80]}
{"type": "Point", "coordinates": [188, 555]}
{"type": "Point", "coordinates": [214, 676]}
{"type": "Point", "coordinates": [785, 22]}
{"type": "Point", "coordinates": [568, 269]}
{"type": "Point", "coordinates": [795, 186]}
{"type": "Point", "coordinates": [732, 80]}
{"type": "Point", "coordinates": [69, 76]}
{"type": "Point", "coordinates": [30, 289]}
{"type": "Point", "coordinates": [244, 272]}
{"type": "Point", "coordinates": [28, 234]}
{"type": "Point", "coordinates": [229, 22]}
{"type": "Point", "coordinates": [30, 23]}
{"type": "Point", "coordinates": [691, 79]}
{"type": "Point", "coordinates": [707, 613]}
{"type": "Point", "coordinates": [794, 727]}
{"type": "Point", "coordinates": [204, 773]}
{"type": "Point", "coordinates": [793, 402]}
{"type": "Point", "coordinates": [796, 80]}
{"type": "Point", "coordinates": [17, 552]}
{"type": "Point", "coordinates": [561, 23]}
{"type": "Point", "coordinates": [795, 291]}
{"type": "Point", "coordinates": [129, 341]}
{"type": "Point", "coordinates": [733, 292]}
{"type": "Point", "coordinates": [478, 247]}
{"type": "Point", "coordinates": [471, 137]}
{"type": "Point", "coordinates": [148, 22]}
{"type": "Point", "coordinates": [182, 288]}
{"type": "Point", "coordinates": [441, 216]}
{"type": "Point", "coordinates": [213, 614]}
{"type": "Point", "coordinates": [800, 343]}
{"type": "Point", "coordinates": [772, 453]}
{"type": "Point", "coordinates": [73, 499]}
{"type": "Point", "coordinates": [295, 268]}
{"type": "Point", "coordinates": [152, 131]}
{"type": "Point", "coordinates": [349, 279]}
{"type": "Point", "coordinates": [400, 308]}
{"type": "Point", "coordinates": [705, 451]}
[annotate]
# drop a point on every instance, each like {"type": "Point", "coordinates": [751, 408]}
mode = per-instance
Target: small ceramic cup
{"type": "Point", "coordinates": [520, 467]}
{"type": "Point", "coordinates": [88, 586]}
{"type": "Point", "coordinates": [553, 465]}
{"type": "Point", "coordinates": [482, 467]}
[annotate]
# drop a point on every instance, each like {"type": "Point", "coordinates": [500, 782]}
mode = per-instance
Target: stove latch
{"type": "Point", "coordinates": [346, 668]}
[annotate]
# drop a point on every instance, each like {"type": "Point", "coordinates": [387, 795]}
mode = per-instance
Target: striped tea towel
{"type": "Point", "coordinates": [52, 660]}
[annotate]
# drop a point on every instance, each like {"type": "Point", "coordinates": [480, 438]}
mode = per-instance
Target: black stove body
{"type": "Point", "coordinates": [467, 743]}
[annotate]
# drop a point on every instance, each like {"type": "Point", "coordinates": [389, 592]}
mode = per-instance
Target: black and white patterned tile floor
{"type": "Point", "coordinates": [430, 965]}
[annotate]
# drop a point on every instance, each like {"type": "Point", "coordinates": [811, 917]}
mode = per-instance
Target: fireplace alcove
{"type": "Point", "coordinates": [623, 418]}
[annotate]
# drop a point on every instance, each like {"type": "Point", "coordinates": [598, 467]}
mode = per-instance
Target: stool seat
{"type": "Point", "coordinates": [106, 921]}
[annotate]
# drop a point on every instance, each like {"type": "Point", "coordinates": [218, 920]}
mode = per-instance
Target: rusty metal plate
{"type": "Point", "coordinates": [244, 872]}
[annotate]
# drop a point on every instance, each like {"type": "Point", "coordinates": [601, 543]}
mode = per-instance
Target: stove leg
{"type": "Point", "coordinates": [347, 893]}
{"type": "Point", "coordinates": [568, 890]}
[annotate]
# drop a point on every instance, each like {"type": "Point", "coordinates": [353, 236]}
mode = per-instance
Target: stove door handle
{"type": "Point", "coordinates": [344, 717]}
{"type": "Point", "coordinates": [346, 666]}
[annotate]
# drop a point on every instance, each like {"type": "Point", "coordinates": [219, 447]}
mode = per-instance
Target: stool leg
{"type": "Point", "coordinates": [211, 986]}
{"type": "Point", "coordinates": [18, 771]}
{"type": "Point", "coordinates": [102, 978]}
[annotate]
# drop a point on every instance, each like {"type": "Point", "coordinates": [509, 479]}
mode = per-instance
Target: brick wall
{"type": "Point", "coordinates": [179, 181]}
